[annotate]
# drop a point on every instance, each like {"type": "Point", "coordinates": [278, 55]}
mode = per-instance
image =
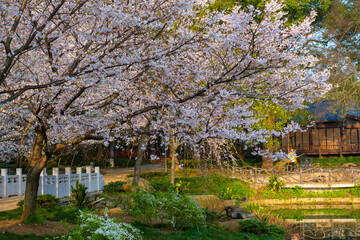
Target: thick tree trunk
{"type": "Point", "coordinates": [32, 186]}
{"type": "Point", "coordinates": [100, 152]}
{"type": "Point", "coordinates": [112, 154]}
{"type": "Point", "coordinates": [139, 158]}
{"type": "Point", "coordinates": [268, 162]}
{"type": "Point", "coordinates": [36, 164]}
{"type": "Point", "coordinates": [174, 160]}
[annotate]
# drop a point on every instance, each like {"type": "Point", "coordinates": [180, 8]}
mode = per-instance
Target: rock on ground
{"type": "Point", "coordinates": [143, 184]}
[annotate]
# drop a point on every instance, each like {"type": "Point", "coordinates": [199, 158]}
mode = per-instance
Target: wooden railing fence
{"type": "Point", "coordinates": [317, 174]}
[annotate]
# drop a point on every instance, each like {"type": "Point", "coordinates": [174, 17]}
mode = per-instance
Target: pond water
{"type": "Point", "coordinates": [308, 224]}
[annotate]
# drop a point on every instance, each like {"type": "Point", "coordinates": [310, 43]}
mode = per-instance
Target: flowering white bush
{"type": "Point", "coordinates": [93, 227]}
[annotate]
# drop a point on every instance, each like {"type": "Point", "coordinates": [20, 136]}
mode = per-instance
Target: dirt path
{"type": "Point", "coordinates": [119, 174]}
{"type": "Point", "coordinates": [9, 203]}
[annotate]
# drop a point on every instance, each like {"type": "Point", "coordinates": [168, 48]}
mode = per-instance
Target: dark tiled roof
{"type": "Point", "coordinates": [329, 110]}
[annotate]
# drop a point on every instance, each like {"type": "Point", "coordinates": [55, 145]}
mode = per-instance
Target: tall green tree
{"type": "Point", "coordinates": [338, 45]}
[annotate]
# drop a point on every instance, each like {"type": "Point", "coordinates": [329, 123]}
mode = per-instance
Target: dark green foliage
{"type": "Point", "coordinates": [210, 233]}
{"type": "Point", "coordinates": [189, 163]}
{"type": "Point", "coordinates": [179, 210]}
{"type": "Point", "coordinates": [214, 217]}
{"type": "Point", "coordinates": [47, 200]}
{"type": "Point", "coordinates": [124, 162]}
{"type": "Point", "coordinates": [79, 195]}
{"type": "Point", "coordinates": [162, 184]}
{"type": "Point", "coordinates": [151, 175]}
{"type": "Point", "coordinates": [6, 165]}
{"type": "Point", "coordinates": [114, 187]}
{"type": "Point", "coordinates": [259, 227]}
{"type": "Point", "coordinates": [43, 201]}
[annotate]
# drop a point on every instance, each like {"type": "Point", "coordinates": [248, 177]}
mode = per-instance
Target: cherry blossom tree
{"type": "Point", "coordinates": [95, 70]}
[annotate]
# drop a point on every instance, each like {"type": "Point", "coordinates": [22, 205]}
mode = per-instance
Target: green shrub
{"type": "Point", "coordinates": [177, 209]}
{"type": "Point", "coordinates": [144, 206]}
{"type": "Point", "coordinates": [259, 227]}
{"type": "Point", "coordinates": [275, 184]}
{"type": "Point", "coordinates": [190, 163]}
{"type": "Point", "coordinates": [162, 184]}
{"type": "Point", "coordinates": [94, 227]}
{"type": "Point", "coordinates": [180, 187]}
{"type": "Point", "coordinates": [124, 162]}
{"type": "Point", "coordinates": [151, 175]}
{"type": "Point", "coordinates": [79, 195]}
{"type": "Point", "coordinates": [114, 187]}
{"type": "Point", "coordinates": [43, 201]}
{"type": "Point", "coordinates": [47, 200]}
{"type": "Point", "coordinates": [214, 217]}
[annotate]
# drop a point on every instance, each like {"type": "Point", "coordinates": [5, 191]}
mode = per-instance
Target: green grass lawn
{"type": "Point", "coordinates": [224, 187]}
{"type": "Point", "coordinates": [334, 161]}
{"type": "Point", "coordinates": [65, 214]}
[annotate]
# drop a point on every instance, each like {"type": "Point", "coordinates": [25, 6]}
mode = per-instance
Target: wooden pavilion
{"type": "Point", "coordinates": [335, 132]}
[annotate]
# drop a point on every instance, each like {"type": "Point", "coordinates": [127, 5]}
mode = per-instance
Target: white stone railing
{"type": "Point", "coordinates": [56, 184]}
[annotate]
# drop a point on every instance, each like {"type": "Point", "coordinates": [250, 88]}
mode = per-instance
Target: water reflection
{"type": "Point", "coordinates": [326, 228]}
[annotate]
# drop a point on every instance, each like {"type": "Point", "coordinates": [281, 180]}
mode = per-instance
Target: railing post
{"type": "Point", "coordinates": [97, 171]}
{"type": "Point", "coordinates": [301, 179]}
{"type": "Point", "coordinates": [55, 172]}
{"type": "Point", "coordinates": [68, 173]}
{"type": "Point", "coordinates": [79, 172]}
{"type": "Point", "coordinates": [88, 171]}
{"type": "Point", "coordinates": [4, 174]}
{"type": "Point", "coordinates": [329, 177]}
{"type": "Point", "coordinates": [352, 174]}
{"type": "Point", "coordinates": [19, 174]}
{"type": "Point", "coordinates": [42, 181]}
{"type": "Point", "coordinates": [255, 178]}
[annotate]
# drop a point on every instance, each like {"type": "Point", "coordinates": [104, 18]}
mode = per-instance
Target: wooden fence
{"type": "Point", "coordinates": [56, 184]}
{"type": "Point", "coordinates": [300, 175]}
